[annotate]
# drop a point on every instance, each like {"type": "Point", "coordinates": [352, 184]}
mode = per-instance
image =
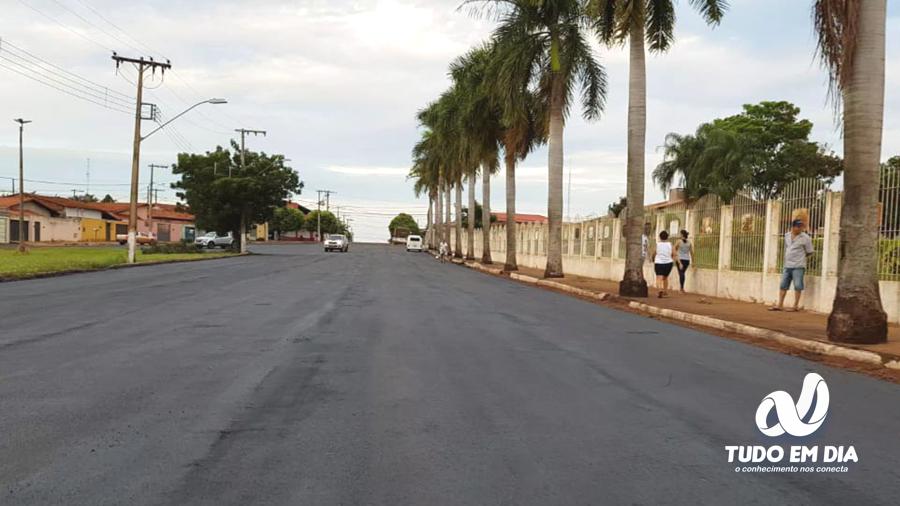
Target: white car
{"type": "Point", "coordinates": [414, 243]}
{"type": "Point", "coordinates": [211, 240]}
{"type": "Point", "coordinates": [337, 242]}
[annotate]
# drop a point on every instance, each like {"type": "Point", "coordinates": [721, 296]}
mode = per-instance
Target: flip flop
{"type": "Point", "coordinates": [775, 308]}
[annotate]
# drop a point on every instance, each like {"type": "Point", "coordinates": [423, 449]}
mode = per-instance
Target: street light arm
{"type": "Point", "coordinates": [182, 113]}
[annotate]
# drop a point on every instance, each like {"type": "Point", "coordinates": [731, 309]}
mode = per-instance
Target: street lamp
{"type": "Point", "coordinates": [135, 161]}
{"type": "Point", "coordinates": [214, 101]}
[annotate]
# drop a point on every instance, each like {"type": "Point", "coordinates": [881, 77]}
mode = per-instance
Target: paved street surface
{"type": "Point", "coordinates": [383, 377]}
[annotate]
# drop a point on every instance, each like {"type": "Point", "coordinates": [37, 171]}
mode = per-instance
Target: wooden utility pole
{"type": "Point", "coordinates": [142, 65]}
{"type": "Point", "coordinates": [23, 230]}
{"type": "Point", "coordinates": [244, 132]}
{"type": "Point", "coordinates": [150, 192]}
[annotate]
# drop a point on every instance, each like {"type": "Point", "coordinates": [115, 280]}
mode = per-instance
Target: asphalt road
{"type": "Point", "coordinates": [383, 377]}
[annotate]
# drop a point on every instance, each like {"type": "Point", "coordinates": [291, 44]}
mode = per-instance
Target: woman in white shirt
{"type": "Point", "coordinates": [663, 263]}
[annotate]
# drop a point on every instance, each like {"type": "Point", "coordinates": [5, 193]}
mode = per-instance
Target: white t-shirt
{"type": "Point", "coordinates": [663, 252]}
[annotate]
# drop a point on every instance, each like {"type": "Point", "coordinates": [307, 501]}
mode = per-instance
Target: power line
{"type": "Point", "coordinates": [65, 26]}
{"type": "Point", "coordinates": [87, 22]}
{"type": "Point", "coordinates": [15, 50]}
{"type": "Point", "coordinates": [96, 95]}
{"type": "Point", "coordinates": [63, 90]}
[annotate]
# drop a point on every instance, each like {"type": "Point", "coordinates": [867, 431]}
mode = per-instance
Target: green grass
{"type": "Point", "coordinates": [50, 259]}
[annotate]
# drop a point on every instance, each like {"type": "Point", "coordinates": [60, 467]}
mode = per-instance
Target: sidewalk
{"type": "Point", "coordinates": [803, 325]}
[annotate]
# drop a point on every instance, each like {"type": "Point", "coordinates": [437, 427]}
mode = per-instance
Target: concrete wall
{"type": "Point", "coordinates": [760, 286]}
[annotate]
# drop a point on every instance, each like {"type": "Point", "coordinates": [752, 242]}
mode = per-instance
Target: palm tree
{"type": "Point", "coordinates": [425, 171]}
{"type": "Point", "coordinates": [480, 131]}
{"type": "Point", "coordinates": [652, 21]}
{"type": "Point", "coordinates": [851, 46]}
{"type": "Point", "coordinates": [544, 45]}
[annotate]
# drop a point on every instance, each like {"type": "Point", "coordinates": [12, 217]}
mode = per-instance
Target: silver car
{"type": "Point", "coordinates": [211, 240]}
{"type": "Point", "coordinates": [337, 242]}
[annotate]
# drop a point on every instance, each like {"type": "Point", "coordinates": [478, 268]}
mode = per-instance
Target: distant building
{"type": "Point", "coordinates": [500, 217]}
{"type": "Point", "coordinates": [60, 219]}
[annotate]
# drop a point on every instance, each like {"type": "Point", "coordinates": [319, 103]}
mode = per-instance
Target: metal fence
{"type": "Point", "coordinates": [707, 223]}
{"type": "Point", "coordinates": [804, 200]}
{"type": "Point", "coordinates": [748, 234]}
{"type": "Point", "coordinates": [590, 239]}
{"type": "Point", "coordinates": [605, 236]}
{"type": "Point", "coordinates": [889, 214]}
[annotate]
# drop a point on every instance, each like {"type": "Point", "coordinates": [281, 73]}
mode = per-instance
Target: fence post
{"type": "Point", "coordinates": [726, 231]}
{"type": "Point", "coordinates": [773, 231]}
{"type": "Point", "coordinates": [616, 237]}
{"type": "Point", "coordinates": [831, 241]}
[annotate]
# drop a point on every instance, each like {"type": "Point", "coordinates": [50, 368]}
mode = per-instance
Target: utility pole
{"type": "Point", "coordinates": [23, 230]}
{"type": "Point", "coordinates": [142, 65]}
{"type": "Point", "coordinates": [244, 132]}
{"type": "Point", "coordinates": [150, 191]}
{"type": "Point", "coordinates": [319, 207]}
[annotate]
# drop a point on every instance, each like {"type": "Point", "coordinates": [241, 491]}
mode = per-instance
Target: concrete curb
{"type": "Point", "coordinates": [867, 357]}
{"type": "Point", "coordinates": [44, 275]}
{"type": "Point", "coordinates": [575, 290]}
{"type": "Point", "coordinates": [819, 347]}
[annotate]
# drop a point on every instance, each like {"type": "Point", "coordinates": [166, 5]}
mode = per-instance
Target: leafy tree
{"type": "Point", "coordinates": [616, 208]}
{"type": "Point", "coordinates": [329, 222]}
{"type": "Point", "coordinates": [286, 219]}
{"type": "Point", "coordinates": [545, 46]}
{"type": "Point", "coordinates": [108, 199]}
{"type": "Point", "coordinates": [650, 22]}
{"type": "Point", "coordinates": [758, 151]}
{"type": "Point", "coordinates": [404, 221]}
{"type": "Point", "coordinates": [851, 46]}
{"type": "Point", "coordinates": [87, 197]}
{"type": "Point", "coordinates": [230, 203]}
{"type": "Point", "coordinates": [479, 216]}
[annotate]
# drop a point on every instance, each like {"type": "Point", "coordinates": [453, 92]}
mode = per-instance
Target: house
{"type": "Point", "coordinates": [521, 219]}
{"type": "Point", "coordinates": [60, 219]}
{"type": "Point", "coordinates": [265, 233]}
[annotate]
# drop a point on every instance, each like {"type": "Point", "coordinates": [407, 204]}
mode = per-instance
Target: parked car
{"type": "Point", "coordinates": [337, 242]}
{"type": "Point", "coordinates": [414, 243]}
{"type": "Point", "coordinates": [211, 240]}
{"type": "Point", "coordinates": [140, 238]}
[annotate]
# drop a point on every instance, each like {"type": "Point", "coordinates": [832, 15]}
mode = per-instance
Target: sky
{"type": "Point", "coordinates": [336, 85]}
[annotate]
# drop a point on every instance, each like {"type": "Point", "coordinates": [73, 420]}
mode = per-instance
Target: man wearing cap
{"type": "Point", "coordinates": [797, 248]}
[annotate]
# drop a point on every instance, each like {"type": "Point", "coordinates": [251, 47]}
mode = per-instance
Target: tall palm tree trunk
{"type": "Point", "coordinates": [486, 214]}
{"type": "Point", "coordinates": [448, 219]}
{"type": "Point", "coordinates": [457, 249]}
{"type": "Point", "coordinates": [554, 267]}
{"type": "Point", "coordinates": [438, 234]}
{"type": "Point", "coordinates": [428, 224]}
{"type": "Point", "coordinates": [470, 225]}
{"type": "Point", "coordinates": [857, 315]}
{"type": "Point", "coordinates": [511, 263]}
{"type": "Point", "coordinates": [633, 283]}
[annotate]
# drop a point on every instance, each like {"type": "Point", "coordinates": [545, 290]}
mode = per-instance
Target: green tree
{"type": "Point", "coordinates": [87, 197]}
{"type": "Point", "coordinates": [651, 23]}
{"type": "Point", "coordinates": [851, 45]}
{"type": "Point", "coordinates": [406, 222]}
{"type": "Point", "coordinates": [546, 44]}
{"type": "Point", "coordinates": [286, 219]}
{"type": "Point", "coordinates": [250, 195]}
{"type": "Point", "coordinates": [108, 199]}
{"type": "Point", "coordinates": [758, 151]}
{"type": "Point", "coordinates": [479, 216]}
{"type": "Point", "coordinates": [329, 222]}
{"type": "Point", "coordinates": [616, 208]}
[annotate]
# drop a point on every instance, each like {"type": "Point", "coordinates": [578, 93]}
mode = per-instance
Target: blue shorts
{"type": "Point", "coordinates": [794, 274]}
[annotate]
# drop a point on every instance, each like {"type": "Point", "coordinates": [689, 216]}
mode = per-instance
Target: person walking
{"type": "Point", "coordinates": [798, 248]}
{"type": "Point", "coordinates": [444, 251]}
{"type": "Point", "coordinates": [662, 263]}
{"type": "Point", "coordinates": [684, 254]}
